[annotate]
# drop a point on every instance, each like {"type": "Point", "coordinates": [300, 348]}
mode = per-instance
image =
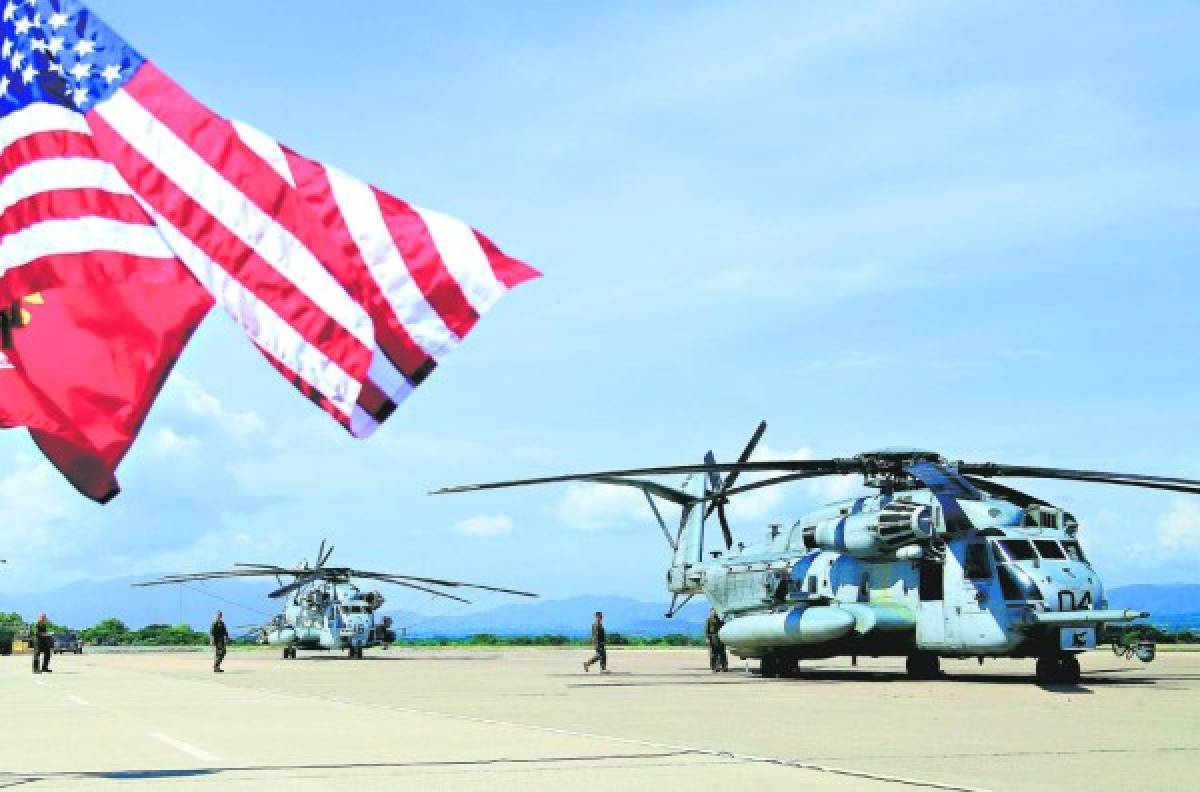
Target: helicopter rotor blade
{"type": "Point", "coordinates": [992, 469]}
{"type": "Point", "coordinates": [746, 453]}
{"type": "Point", "coordinates": [816, 467]}
{"type": "Point", "coordinates": [328, 553]}
{"type": "Point", "coordinates": [320, 553]}
{"type": "Point", "coordinates": [392, 577]}
{"type": "Point", "coordinates": [726, 533]}
{"type": "Point", "coordinates": [428, 590]}
{"type": "Point", "coordinates": [771, 482]}
{"type": "Point", "coordinates": [200, 576]}
{"type": "Point", "coordinates": [299, 582]}
{"type": "Point", "coordinates": [1021, 499]}
{"type": "Point", "coordinates": [713, 478]}
{"type": "Point", "coordinates": [722, 487]}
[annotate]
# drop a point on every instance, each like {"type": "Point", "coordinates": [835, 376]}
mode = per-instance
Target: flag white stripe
{"type": "Point", "coordinates": [364, 219]}
{"type": "Point", "coordinates": [80, 235]}
{"type": "Point", "coordinates": [387, 378]}
{"type": "Point", "coordinates": [233, 209]}
{"type": "Point", "coordinates": [361, 423]}
{"type": "Point", "coordinates": [261, 323]}
{"type": "Point", "coordinates": [266, 147]}
{"type": "Point", "coordinates": [39, 117]}
{"type": "Point", "coordinates": [60, 173]}
{"type": "Point", "coordinates": [464, 259]}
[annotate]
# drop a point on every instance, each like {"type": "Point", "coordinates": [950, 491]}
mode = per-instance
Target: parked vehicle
{"type": "Point", "coordinates": [68, 642]}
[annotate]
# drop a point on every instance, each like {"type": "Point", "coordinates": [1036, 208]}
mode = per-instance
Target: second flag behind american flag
{"type": "Point", "coordinates": [111, 175]}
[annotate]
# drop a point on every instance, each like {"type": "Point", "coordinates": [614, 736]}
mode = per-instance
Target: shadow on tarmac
{"type": "Point", "coordinates": [12, 780]}
{"type": "Point", "coordinates": [1085, 686]}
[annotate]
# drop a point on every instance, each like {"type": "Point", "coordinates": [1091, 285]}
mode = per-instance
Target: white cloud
{"type": "Point", "coordinates": [1179, 528]}
{"type": "Point", "coordinates": [215, 549]}
{"type": "Point", "coordinates": [484, 525]}
{"type": "Point", "coordinates": [167, 442]}
{"type": "Point", "coordinates": [594, 507]}
{"type": "Point", "coordinates": [200, 403]}
{"type": "Point", "coordinates": [1166, 556]}
{"type": "Point", "coordinates": [34, 506]}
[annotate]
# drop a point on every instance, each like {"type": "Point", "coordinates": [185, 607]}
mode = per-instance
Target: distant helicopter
{"type": "Point", "coordinates": [325, 610]}
{"type": "Point", "coordinates": [943, 562]}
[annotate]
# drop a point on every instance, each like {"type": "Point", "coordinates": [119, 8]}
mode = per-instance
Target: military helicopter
{"type": "Point", "coordinates": [942, 562]}
{"type": "Point", "coordinates": [324, 610]}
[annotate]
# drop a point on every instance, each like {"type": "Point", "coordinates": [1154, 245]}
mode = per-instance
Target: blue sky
{"type": "Point", "coordinates": [964, 227]}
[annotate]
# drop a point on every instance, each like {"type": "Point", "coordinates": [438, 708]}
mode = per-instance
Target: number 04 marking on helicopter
{"type": "Point", "coordinates": [324, 609]}
{"type": "Point", "coordinates": [943, 562]}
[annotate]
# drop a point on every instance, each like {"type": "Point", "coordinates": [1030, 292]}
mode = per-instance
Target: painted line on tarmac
{"type": "Point", "coordinates": [79, 701]}
{"type": "Point", "coordinates": [684, 749]}
{"type": "Point", "coordinates": [180, 745]}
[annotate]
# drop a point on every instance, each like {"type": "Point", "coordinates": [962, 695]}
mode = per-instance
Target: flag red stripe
{"type": "Point", "coordinates": [240, 261]}
{"type": "Point", "coordinates": [216, 141]}
{"type": "Point", "coordinates": [509, 270]}
{"type": "Point", "coordinates": [373, 400]}
{"type": "Point", "coordinates": [44, 145]}
{"type": "Point", "coordinates": [71, 205]}
{"type": "Point", "coordinates": [425, 264]}
{"type": "Point", "coordinates": [350, 270]}
{"type": "Point", "coordinates": [307, 389]}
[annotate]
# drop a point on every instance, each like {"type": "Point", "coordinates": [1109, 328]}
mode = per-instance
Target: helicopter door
{"type": "Point", "coordinates": [931, 619]}
{"type": "Point", "coordinates": [979, 611]}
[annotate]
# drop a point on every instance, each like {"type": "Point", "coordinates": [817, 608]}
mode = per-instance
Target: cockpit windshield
{"type": "Point", "coordinates": [1016, 549]}
{"type": "Point", "coordinates": [1074, 551]}
{"type": "Point", "coordinates": [1048, 548]}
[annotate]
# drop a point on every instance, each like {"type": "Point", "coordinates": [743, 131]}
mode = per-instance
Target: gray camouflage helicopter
{"type": "Point", "coordinates": [324, 610]}
{"type": "Point", "coordinates": [942, 562]}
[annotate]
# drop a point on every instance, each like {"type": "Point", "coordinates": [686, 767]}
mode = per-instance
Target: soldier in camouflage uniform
{"type": "Point", "coordinates": [43, 645]}
{"type": "Point", "coordinates": [718, 660]}
{"type": "Point", "coordinates": [599, 638]}
{"type": "Point", "coordinates": [218, 635]}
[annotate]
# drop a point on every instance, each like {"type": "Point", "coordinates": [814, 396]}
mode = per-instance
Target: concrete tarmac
{"type": "Point", "coordinates": [532, 719]}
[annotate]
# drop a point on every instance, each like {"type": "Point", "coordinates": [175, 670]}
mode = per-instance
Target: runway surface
{"type": "Point", "coordinates": [532, 719]}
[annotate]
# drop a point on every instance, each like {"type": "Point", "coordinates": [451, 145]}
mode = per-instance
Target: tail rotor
{"type": "Point", "coordinates": [717, 487]}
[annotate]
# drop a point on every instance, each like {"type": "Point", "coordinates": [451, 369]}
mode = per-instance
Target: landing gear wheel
{"type": "Point", "coordinates": [1057, 669]}
{"type": "Point", "coordinates": [768, 667]}
{"type": "Point", "coordinates": [289, 653]}
{"type": "Point", "coordinates": [923, 665]}
{"type": "Point", "coordinates": [789, 667]}
{"type": "Point", "coordinates": [1069, 668]}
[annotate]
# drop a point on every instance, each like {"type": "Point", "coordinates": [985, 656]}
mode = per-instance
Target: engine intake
{"type": "Point", "coordinates": [873, 534]}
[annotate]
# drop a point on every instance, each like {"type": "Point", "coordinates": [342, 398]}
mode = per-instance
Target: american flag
{"type": "Point", "coordinates": [109, 171]}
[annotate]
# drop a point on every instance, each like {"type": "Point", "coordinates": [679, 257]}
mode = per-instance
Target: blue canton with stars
{"type": "Point", "coordinates": [58, 51]}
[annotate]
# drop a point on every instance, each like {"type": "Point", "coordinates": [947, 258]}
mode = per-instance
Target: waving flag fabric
{"type": "Point", "coordinates": [112, 173]}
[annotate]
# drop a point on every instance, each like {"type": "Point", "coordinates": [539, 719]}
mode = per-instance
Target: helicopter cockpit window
{"type": "Point", "coordinates": [1016, 549]}
{"type": "Point", "coordinates": [976, 564]}
{"type": "Point", "coordinates": [1074, 551]}
{"type": "Point", "coordinates": [1048, 548]}
{"type": "Point", "coordinates": [1015, 584]}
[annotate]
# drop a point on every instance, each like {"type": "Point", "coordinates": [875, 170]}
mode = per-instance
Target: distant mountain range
{"type": "Point", "coordinates": [570, 617]}
{"type": "Point", "coordinates": [85, 603]}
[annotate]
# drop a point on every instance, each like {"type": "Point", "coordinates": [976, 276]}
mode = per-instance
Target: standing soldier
{"type": "Point", "coordinates": [43, 645]}
{"type": "Point", "coordinates": [598, 640]}
{"type": "Point", "coordinates": [218, 635]}
{"type": "Point", "coordinates": [718, 660]}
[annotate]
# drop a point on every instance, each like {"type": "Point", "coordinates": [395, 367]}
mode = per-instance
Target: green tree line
{"type": "Point", "coordinates": [114, 632]}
